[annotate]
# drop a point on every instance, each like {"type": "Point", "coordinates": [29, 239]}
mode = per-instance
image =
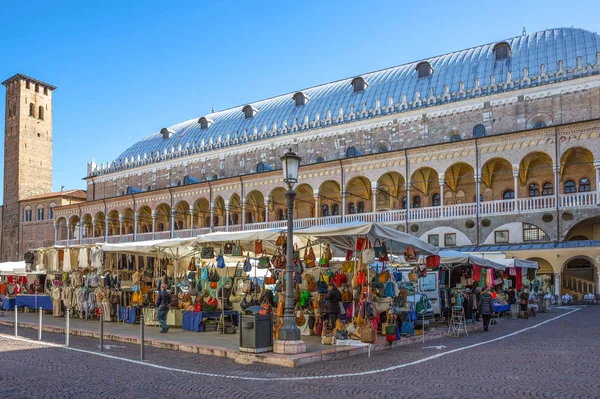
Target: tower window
{"type": "Point", "coordinates": [300, 99]}
{"type": "Point", "coordinates": [41, 113]}
{"type": "Point", "coordinates": [424, 70]}
{"type": "Point", "coordinates": [39, 214]}
{"type": "Point", "coordinates": [320, 159]}
{"type": "Point", "coordinates": [479, 131]}
{"type": "Point", "coordinates": [45, 91]}
{"type": "Point", "coordinates": [262, 167]}
{"type": "Point", "coordinates": [361, 207]}
{"type": "Point", "coordinates": [383, 149]}
{"type": "Point", "coordinates": [351, 208]}
{"type": "Point", "coordinates": [359, 85]}
{"type": "Point", "coordinates": [539, 125]}
{"type": "Point", "coordinates": [352, 152]}
{"type": "Point", "coordinates": [416, 202]}
{"type": "Point", "coordinates": [27, 85]}
{"type": "Point", "coordinates": [51, 211]}
{"type": "Point", "coordinates": [502, 51]}
{"type": "Point", "coordinates": [455, 137]}
{"type": "Point", "coordinates": [335, 209]}
{"type": "Point", "coordinates": [32, 110]}
{"type": "Point", "coordinates": [37, 88]}
{"type": "Point", "coordinates": [27, 215]}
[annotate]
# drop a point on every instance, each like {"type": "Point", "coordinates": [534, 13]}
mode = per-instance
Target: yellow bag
{"type": "Point", "coordinates": [339, 326]}
{"type": "Point", "coordinates": [348, 267]}
{"type": "Point", "coordinates": [384, 276]}
{"type": "Point", "coordinates": [360, 321]}
{"type": "Point", "coordinates": [325, 277]}
{"type": "Point", "coordinates": [137, 297]}
{"type": "Point", "coordinates": [355, 281]}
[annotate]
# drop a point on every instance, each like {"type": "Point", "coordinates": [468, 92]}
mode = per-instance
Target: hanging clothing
{"type": "Point", "coordinates": [41, 263]}
{"type": "Point", "coordinates": [56, 302]}
{"type": "Point", "coordinates": [476, 273]}
{"type": "Point", "coordinates": [96, 254]}
{"type": "Point", "coordinates": [82, 259]}
{"type": "Point", "coordinates": [53, 261]}
{"type": "Point", "coordinates": [519, 279]}
{"type": "Point", "coordinates": [67, 261]}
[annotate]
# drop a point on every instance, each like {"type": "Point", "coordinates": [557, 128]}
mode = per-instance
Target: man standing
{"type": "Point", "coordinates": [486, 308]}
{"type": "Point", "coordinates": [162, 305]}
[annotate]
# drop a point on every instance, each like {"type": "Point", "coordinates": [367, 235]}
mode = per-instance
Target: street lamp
{"type": "Point", "coordinates": [289, 333]}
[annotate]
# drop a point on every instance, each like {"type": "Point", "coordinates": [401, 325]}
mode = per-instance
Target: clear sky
{"type": "Point", "coordinates": [125, 69]}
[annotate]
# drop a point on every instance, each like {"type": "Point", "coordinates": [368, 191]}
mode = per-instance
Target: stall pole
{"type": "Point", "coordinates": [40, 324]}
{"type": "Point", "coordinates": [142, 354]}
{"type": "Point", "coordinates": [67, 327]}
{"type": "Point", "coordinates": [16, 333]}
{"type": "Point", "coordinates": [101, 331]}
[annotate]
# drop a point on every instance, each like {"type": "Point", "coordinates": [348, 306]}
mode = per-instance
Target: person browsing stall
{"type": "Point", "coordinates": [162, 306]}
{"type": "Point", "coordinates": [486, 308]}
{"type": "Point", "coordinates": [333, 298]}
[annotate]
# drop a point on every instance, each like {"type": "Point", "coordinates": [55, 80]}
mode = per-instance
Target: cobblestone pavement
{"type": "Point", "coordinates": [515, 359]}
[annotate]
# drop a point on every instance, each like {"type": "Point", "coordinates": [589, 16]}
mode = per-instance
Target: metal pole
{"type": "Point", "coordinates": [289, 331]}
{"type": "Point", "coordinates": [40, 325]}
{"type": "Point", "coordinates": [142, 354]}
{"type": "Point", "coordinates": [101, 331]}
{"type": "Point", "coordinates": [67, 327]}
{"type": "Point", "coordinates": [16, 334]}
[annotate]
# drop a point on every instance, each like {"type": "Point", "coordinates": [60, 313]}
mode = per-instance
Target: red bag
{"type": "Point", "coordinates": [361, 278]}
{"type": "Point", "coordinates": [199, 306]}
{"type": "Point", "coordinates": [339, 278]}
{"type": "Point", "coordinates": [432, 261]}
{"type": "Point", "coordinates": [359, 243]}
{"type": "Point", "coordinates": [349, 255]}
{"type": "Point", "coordinates": [410, 255]}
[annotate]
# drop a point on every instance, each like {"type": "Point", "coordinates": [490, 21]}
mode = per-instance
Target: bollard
{"type": "Point", "coordinates": [101, 331]}
{"type": "Point", "coordinates": [40, 325]}
{"type": "Point", "coordinates": [142, 355]}
{"type": "Point", "coordinates": [67, 328]}
{"type": "Point", "coordinates": [16, 334]}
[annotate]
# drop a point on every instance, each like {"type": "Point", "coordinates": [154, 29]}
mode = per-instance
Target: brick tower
{"type": "Point", "coordinates": [27, 153]}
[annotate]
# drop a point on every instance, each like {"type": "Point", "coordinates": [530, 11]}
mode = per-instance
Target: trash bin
{"type": "Point", "coordinates": [256, 333]}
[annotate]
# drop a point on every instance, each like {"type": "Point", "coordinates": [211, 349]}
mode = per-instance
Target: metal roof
{"type": "Point", "coordinates": [529, 246]}
{"type": "Point", "coordinates": [528, 51]}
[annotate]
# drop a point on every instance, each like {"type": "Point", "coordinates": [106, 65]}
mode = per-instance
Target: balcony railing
{"type": "Point", "coordinates": [487, 208]}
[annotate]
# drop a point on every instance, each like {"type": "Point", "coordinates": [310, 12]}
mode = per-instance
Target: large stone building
{"type": "Point", "coordinates": [28, 206]}
{"type": "Point", "coordinates": [495, 147]}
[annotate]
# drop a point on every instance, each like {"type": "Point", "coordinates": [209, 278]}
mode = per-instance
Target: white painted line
{"type": "Point", "coordinates": [316, 377]}
{"type": "Point", "coordinates": [434, 347]}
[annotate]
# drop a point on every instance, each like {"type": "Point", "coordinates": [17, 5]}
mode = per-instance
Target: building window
{"type": "Point", "coordinates": [236, 218]}
{"type": "Point", "coordinates": [281, 214]}
{"type": "Point", "coordinates": [37, 88]}
{"type": "Point", "coordinates": [351, 208]}
{"type": "Point", "coordinates": [534, 190]}
{"type": "Point", "coordinates": [502, 51]}
{"type": "Point", "coordinates": [51, 211]}
{"type": "Point", "coordinates": [45, 91]}
{"type": "Point", "coordinates": [361, 207]}
{"type": "Point", "coordinates": [39, 214]}
{"type": "Point", "coordinates": [320, 159]}
{"type": "Point", "coordinates": [205, 123]}
{"type": "Point", "coordinates": [27, 215]}
{"type": "Point", "coordinates": [383, 149]}
{"type": "Point", "coordinates": [404, 203]}
{"type": "Point", "coordinates": [479, 131]}
{"type": "Point", "coordinates": [501, 237]}
{"type": "Point", "coordinates": [435, 199]}
{"type": "Point", "coordinates": [27, 85]}
{"type": "Point", "coordinates": [249, 111]}
{"type": "Point", "coordinates": [325, 210]}
{"type": "Point", "coordinates": [455, 137]}
{"type": "Point", "coordinates": [570, 187]}
{"type": "Point", "coordinates": [41, 113]}
{"type": "Point", "coordinates": [32, 110]}
{"type": "Point", "coordinates": [539, 125]}
{"type": "Point", "coordinates": [584, 185]}
{"type": "Point", "coordinates": [358, 85]}
{"type": "Point", "coordinates": [533, 233]}
{"type": "Point", "coordinates": [262, 167]}
{"type": "Point", "coordinates": [424, 70]}
{"type": "Point", "coordinates": [434, 239]}
{"type": "Point", "coordinates": [352, 152]}
{"type": "Point", "coordinates": [450, 239]}
{"type": "Point", "coordinates": [335, 210]}
{"type": "Point", "coordinates": [547, 189]}
{"type": "Point", "coordinates": [416, 202]}
{"type": "Point", "coordinates": [249, 217]}
{"type": "Point", "coordinates": [300, 99]}
{"type": "Point", "coordinates": [216, 220]}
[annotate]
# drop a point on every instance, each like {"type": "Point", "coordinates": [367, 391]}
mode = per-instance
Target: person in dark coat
{"type": "Point", "coordinates": [486, 308]}
{"type": "Point", "coordinates": [163, 302]}
{"type": "Point", "coordinates": [333, 298]}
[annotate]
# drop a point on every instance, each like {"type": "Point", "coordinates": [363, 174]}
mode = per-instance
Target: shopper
{"type": "Point", "coordinates": [486, 308]}
{"type": "Point", "coordinates": [162, 305]}
{"type": "Point", "coordinates": [512, 301]}
{"type": "Point", "coordinates": [333, 298]}
{"type": "Point", "coordinates": [523, 299]}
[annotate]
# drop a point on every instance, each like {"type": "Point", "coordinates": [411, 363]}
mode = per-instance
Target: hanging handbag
{"type": "Point", "coordinates": [397, 275]}
{"type": "Point", "coordinates": [255, 285]}
{"type": "Point", "coordinates": [361, 278]}
{"type": "Point", "coordinates": [247, 265]}
{"type": "Point", "coordinates": [269, 280]}
{"type": "Point", "coordinates": [220, 261]}
{"type": "Point", "coordinates": [281, 239]}
{"type": "Point", "coordinates": [311, 285]}
{"type": "Point", "coordinates": [367, 334]}
{"type": "Point", "coordinates": [346, 295]}
{"type": "Point", "coordinates": [378, 248]}
{"type": "Point", "coordinates": [322, 285]}
{"type": "Point", "coordinates": [410, 255]}
{"type": "Point", "coordinates": [247, 286]}
{"type": "Point", "coordinates": [407, 328]}
{"type": "Point", "coordinates": [340, 278]}
{"type": "Point", "coordinates": [204, 274]}
{"type": "Point", "coordinates": [238, 250]}
{"type": "Point", "coordinates": [309, 255]}
{"type": "Point", "coordinates": [258, 247]}
{"type": "Point", "coordinates": [348, 266]}
{"type": "Point", "coordinates": [228, 248]}
{"type": "Point", "coordinates": [213, 276]}
{"type": "Point", "coordinates": [355, 281]}
{"type": "Point", "coordinates": [368, 256]}
{"type": "Point", "coordinates": [384, 276]}
{"type": "Point", "coordinates": [280, 305]}
{"type": "Point", "coordinates": [413, 277]}
{"type": "Point", "coordinates": [278, 260]}
{"type": "Point", "coordinates": [328, 254]}
{"type": "Point", "coordinates": [359, 243]}
{"type": "Point", "coordinates": [264, 262]}
{"type": "Point", "coordinates": [299, 313]}
{"type": "Point", "coordinates": [304, 298]}
{"type": "Point", "coordinates": [207, 253]}
{"type": "Point", "coordinates": [191, 266]}
{"type": "Point", "coordinates": [389, 289]}
{"type": "Point", "coordinates": [318, 329]}
{"type": "Point", "coordinates": [432, 261]}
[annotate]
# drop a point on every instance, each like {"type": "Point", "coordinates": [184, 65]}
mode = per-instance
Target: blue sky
{"type": "Point", "coordinates": [125, 69]}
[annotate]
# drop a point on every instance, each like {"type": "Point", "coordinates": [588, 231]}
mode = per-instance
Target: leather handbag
{"type": "Point", "coordinates": [346, 295]}
{"type": "Point", "coordinates": [228, 248]}
{"type": "Point", "coordinates": [384, 275]}
{"type": "Point", "coordinates": [300, 318]}
{"type": "Point", "coordinates": [328, 254]}
{"type": "Point", "coordinates": [281, 240]}
{"type": "Point", "coordinates": [238, 250]}
{"type": "Point", "coordinates": [220, 261]}
{"type": "Point", "coordinates": [410, 255]}
{"type": "Point", "coordinates": [348, 267]}
{"type": "Point", "coordinates": [367, 334]}
{"type": "Point", "coordinates": [432, 261]}
{"type": "Point", "coordinates": [359, 243]}
{"type": "Point", "coordinates": [322, 285]}
{"type": "Point", "coordinates": [247, 265]}
{"type": "Point", "coordinates": [207, 253]}
{"type": "Point", "coordinates": [264, 262]}
{"type": "Point", "coordinates": [279, 260]}
{"type": "Point", "coordinates": [258, 247]}
{"type": "Point", "coordinates": [309, 256]}
{"type": "Point", "coordinates": [269, 280]}
{"type": "Point", "coordinates": [311, 285]}
{"type": "Point", "coordinates": [340, 278]}
{"type": "Point", "coordinates": [247, 286]}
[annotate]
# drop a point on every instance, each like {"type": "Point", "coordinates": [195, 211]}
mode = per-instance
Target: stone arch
{"type": "Point", "coordinates": [588, 228]}
{"type": "Point", "coordinates": [74, 226]}
{"type": "Point", "coordinates": [391, 187]}
{"type": "Point", "coordinates": [461, 238]}
{"type": "Point", "coordinates": [144, 219]}
{"type": "Point", "coordinates": [219, 211]}
{"type": "Point", "coordinates": [100, 219]}
{"type": "Point", "coordinates": [496, 175]}
{"type": "Point", "coordinates": [381, 146]}
{"type": "Point", "coordinates": [88, 229]}
{"type": "Point", "coordinates": [580, 275]}
{"type": "Point", "coordinates": [305, 201]}
{"type": "Point", "coordinates": [163, 217]}
{"type": "Point", "coordinates": [329, 197]}
{"type": "Point", "coordinates": [128, 221]}
{"type": "Point", "coordinates": [358, 191]}
{"type": "Point", "coordinates": [113, 222]}
{"type": "Point", "coordinates": [235, 209]}
{"type": "Point", "coordinates": [424, 182]}
{"type": "Point", "coordinates": [202, 213]}
{"type": "Point", "coordinates": [255, 207]}
{"type": "Point", "coordinates": [577, 163]}
{"type": "Point", "coordinates": [278, 202]}
{"type": "Point", "coordinates": [460, 177]}
{"type": "Point", "coordinates": [541, 119]}
{"type": "Point", "coordinates": [535, 167]}
{"type": "Point", "coordinates": [61, 225]}
{"type": "Point", "coordinates": [182, 215]}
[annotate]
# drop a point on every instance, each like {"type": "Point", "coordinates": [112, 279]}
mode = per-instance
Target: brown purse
{"type": "Point", "coordinates": [367, 334]}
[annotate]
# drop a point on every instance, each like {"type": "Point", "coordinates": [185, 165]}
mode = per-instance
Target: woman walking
{"type": "Point", "coordinates": [333, 298]}
{"type": "Point", "coordinates": [486, 308]}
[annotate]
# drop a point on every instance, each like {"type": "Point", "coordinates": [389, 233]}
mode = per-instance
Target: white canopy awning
{"type": "Point", "coordinates": [174, 247]}
{"type": "Point", "coordinates": [525, 264]}
{"type": "Point", "coordinates": [13, 268]}
{"type": "Point", "coordinates": [450, 257]}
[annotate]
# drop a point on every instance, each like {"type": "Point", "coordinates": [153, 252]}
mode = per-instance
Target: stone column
{"type": "Point", "coordinates": [374, 198]}
{"type": "Point", "coordinates": [68, 231]}
{"type": "Point", "coordinates": [94, 224]}
{"type": "Point", "coordinates": [212, 216]}
{"type": "Point", "coordinates": [192, 215]}
{"type": "Point", "coordinates": [478, 192]}
{"type": "Point", "coordinates": [153, 223]}
{"type": "Point", "coordinates": [121, 219]}
{"type": "Point", "coordinates": [408, 202]}
{"type": "Point", "coordinates": [243, 214]}
{"type": "Point", "coordinates": [597, 167]}
{"type": "Point", "coordinates": [343, 194]}
{"type": "Point", "coordinates": [106, 223]}
{"type": "Point", "coordinates": [173, 214]}
{"type": "Point", "coordinates": [136, 220]}
{"type": "Point", "coordinates": [227, 215]}
{"type": "Point", "coordinates": [267, 210]}
{"type": "Point", "coordinates": [55, 233]}
{"type": "Point", "coordinates": [556, 170]}
{"type": "Point", "coordinates": [442, 182]}
{"type": "Point", "coordinates": [516, 188]}
{"type": "Point", "coordinates": [557, 284]}
{"type": "Point", "coordinates": [316, 197]}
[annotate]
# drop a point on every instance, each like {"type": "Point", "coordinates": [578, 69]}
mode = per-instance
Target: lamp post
{"type": "Point", "coordinates": [289, 332]}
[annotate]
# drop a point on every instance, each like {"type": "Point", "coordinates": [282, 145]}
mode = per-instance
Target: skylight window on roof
{"type": "Point", "coordinates": [424, 69]}
{"type": "Point", "coordinates": [249, 111]}
{"type": "Point", "coordinates": [359, 84]}
{"type": "Point", "coordinates": [166, 133]}
{"type": "Point", "coordinates": [300, 99]}
{"type": "Point", "coordinates": [502, 51]}
{"type": "Point", "coordinates": [205, 122]}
